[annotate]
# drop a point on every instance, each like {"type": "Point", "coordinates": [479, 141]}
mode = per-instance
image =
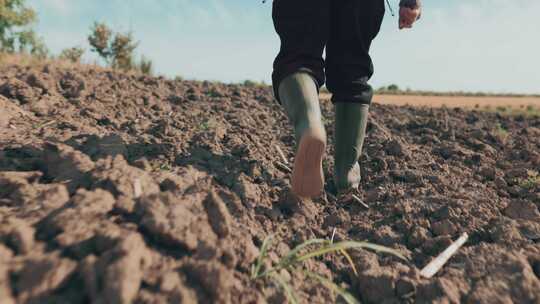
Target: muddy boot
{"type": "Point", "coordinates": [299, 96]}
{"type": "Point", "coordinates": [350, 132]}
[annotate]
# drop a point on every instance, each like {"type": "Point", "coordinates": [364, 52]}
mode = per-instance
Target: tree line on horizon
{"type": "Point", "coordinates": [17, 36]}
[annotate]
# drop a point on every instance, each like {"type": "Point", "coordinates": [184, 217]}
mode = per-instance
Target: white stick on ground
{"type": "Point", "coordinates": [282, 155]}
{"type": "Point", "coordinates": [435, 265]}
{"type": "Point", "coordinates": [47, 124]}
{"type": "Point", "coordinates": [359, 201]}
{"type": "Point", "coordinates": [283, 167]}
{"type": "Point", "coordinates": [333, 235]}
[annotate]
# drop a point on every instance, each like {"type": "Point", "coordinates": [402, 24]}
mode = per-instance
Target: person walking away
{"type": "Point", "coordinates": [346, 29]}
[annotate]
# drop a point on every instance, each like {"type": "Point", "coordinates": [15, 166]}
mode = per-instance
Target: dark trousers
{"type": "Point", "coordinates": [345, 27]}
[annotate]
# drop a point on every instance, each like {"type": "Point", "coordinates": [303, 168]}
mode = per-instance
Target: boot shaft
{"type": "Point", "coordinates": [300, 98]}
{"type": "Point", "coordinates": [350, 132]}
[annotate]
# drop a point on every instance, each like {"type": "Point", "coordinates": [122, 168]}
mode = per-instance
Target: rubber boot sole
{"type": "Point", "coordinates": [308, 176]}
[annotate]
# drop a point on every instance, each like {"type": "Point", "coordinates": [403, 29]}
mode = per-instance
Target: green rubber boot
{"type": "Point", "coordinates": [299, 95]}
{"type": "Point", "coordinates": [350, 131]}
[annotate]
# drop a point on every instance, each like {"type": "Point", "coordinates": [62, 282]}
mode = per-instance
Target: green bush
{"type": "Point", "coordinates": [146, 66]}
{"type": "Point", "coordinates": [99, 39]}
{"type": "Point", "coordinates": [122, 48]}
{"type": "Point", "coordinates": [393, 88]}
{"type": "Point", "coordinates": [250, 83]}
{"type": "Point", "coordinates": [73, 54]}
{"type": "Point", "coordinates": [117, 49]}
{"type": "Point", "coordinates": [16, 34]}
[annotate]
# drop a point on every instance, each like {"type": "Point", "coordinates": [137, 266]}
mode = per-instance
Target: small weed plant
{"type": "Point", "coordinates": [207, 125]}
{"type": "Point", "coordinates": [73, 54]}
{"type": "Point", "coordinates": [501, 132]}
{"type": "Point", "coordinates": [311, 249]}
{"type": "Point", "coordinates": [532, 181]}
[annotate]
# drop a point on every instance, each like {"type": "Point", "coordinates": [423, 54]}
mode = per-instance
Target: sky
{"type": "Point", "coordinates": [458, 45]}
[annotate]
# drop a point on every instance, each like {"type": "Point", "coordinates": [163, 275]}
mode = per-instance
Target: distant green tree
{"type": "Point", "coordinates": [250, 83]}
{"type": "Point", "coordinates": [73, 54]}
{"type": "Point", "coordinates": [122, 48]}
{"type": "Point", "coordinates": [99, 40]}
{"type": "Point", "coordinates": [16, 34]}
{"type": "Point", "coordinates": [117, 49]}
{"type": "Point", "coordinates": [146, 66]}
{"type": "Point", "coordinates": [393, 88]}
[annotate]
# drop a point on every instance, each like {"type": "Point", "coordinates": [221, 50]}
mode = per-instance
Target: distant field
{"type": "Point", "coordinates": [484, 103]}
{"type": "Point", "coordinates": [462, 102]}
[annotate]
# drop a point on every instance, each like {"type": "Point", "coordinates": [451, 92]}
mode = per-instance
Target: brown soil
{"type": "Point", "coordinates": [118, 188]}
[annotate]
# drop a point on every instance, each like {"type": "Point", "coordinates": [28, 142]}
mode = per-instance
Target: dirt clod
{"type": "Point", "coordinates": [39, 277]}
{"type": "Point", "coordinates": [17, 234]}
{"type": "Point", "coordinates": [219, 217]}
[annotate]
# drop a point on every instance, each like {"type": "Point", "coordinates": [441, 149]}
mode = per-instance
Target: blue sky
{"type": "Point", "coordinates": [471, 45]}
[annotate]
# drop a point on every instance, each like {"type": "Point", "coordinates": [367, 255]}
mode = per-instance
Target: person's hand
{"type": "Point", "coordinates": [408, 16]}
